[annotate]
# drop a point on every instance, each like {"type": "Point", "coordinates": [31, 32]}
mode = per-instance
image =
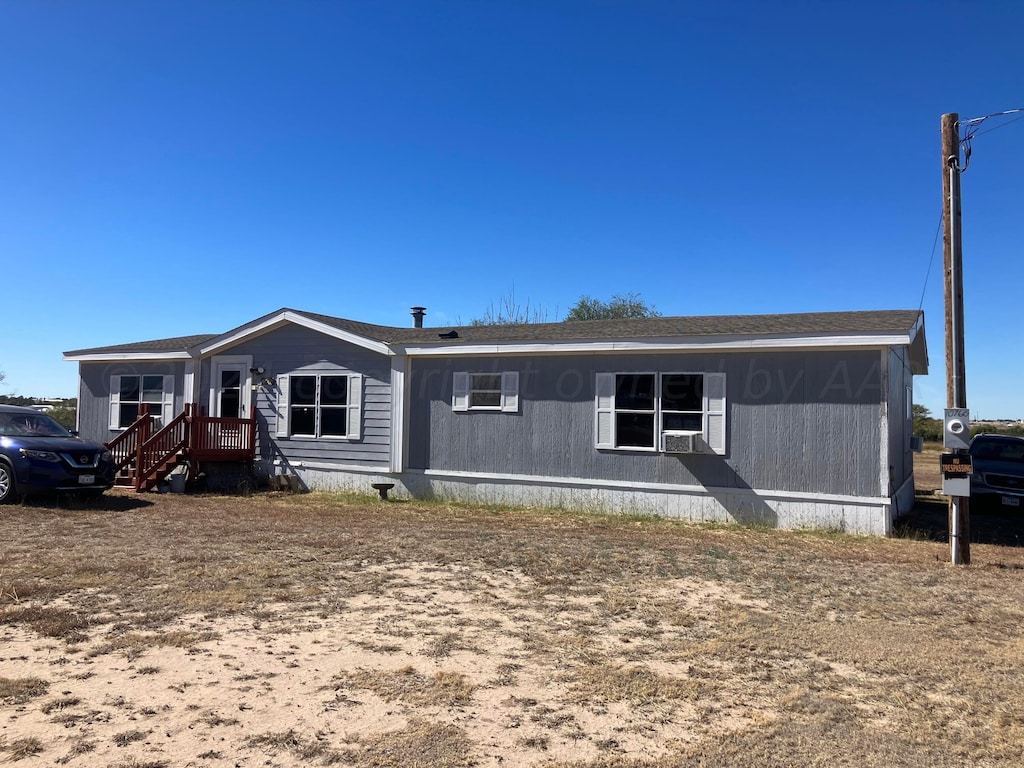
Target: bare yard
{"type": "Point", "coordinates": [281, 630]}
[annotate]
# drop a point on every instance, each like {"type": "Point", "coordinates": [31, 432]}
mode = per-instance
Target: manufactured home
{"type": "Point", "coordinates": [794, 420]}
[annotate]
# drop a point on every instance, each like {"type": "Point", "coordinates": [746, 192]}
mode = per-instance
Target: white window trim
{"type": "Point", "coordinates": [462, 391]}
{"type": "Point", "coordinates": [354, 407]}
{"type": "Point", "coordinates": [713, 412]}
{"type": "Point", "coordinates": [166, 404]}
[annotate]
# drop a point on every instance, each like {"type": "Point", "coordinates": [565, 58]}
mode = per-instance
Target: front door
{"type": "Point", "coordinates": [231, 388]}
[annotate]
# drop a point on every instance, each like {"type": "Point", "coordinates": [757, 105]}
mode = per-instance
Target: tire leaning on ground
{"type": "Point", "coordinates": [8, 488]}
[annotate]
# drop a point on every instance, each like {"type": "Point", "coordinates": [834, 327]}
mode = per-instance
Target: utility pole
{"type": "Point", "coordinates": [956, 384]}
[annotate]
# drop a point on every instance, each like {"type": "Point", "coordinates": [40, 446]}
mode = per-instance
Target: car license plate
{"type": "Point", "coordinates": [86, 479]}
{"type": "Point", "coordinates": [1011, 501]}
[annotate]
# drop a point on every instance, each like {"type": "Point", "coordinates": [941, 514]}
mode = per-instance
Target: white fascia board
{"type": "Point", "coordinates": [693, 344]}
{"type": "Point", "coordinates": [251, 330]}
{"type": "Point", "coordinates": [111, 357]}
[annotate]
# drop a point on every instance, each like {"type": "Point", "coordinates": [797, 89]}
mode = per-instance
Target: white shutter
{"type": "Point", "coordinates": [604, 426]}
{"type": "Point", "coordinates": [282, 406]}
{"type": "Point", "coordinates": [355, 406]}
{"type": "Point", "coordinates": [115, 402]}
{"type": "Point", "coordinates": [167, 404]}
{"type": "Point", "coordinates": [460, 391]}
{"type": "Point", "coordinates": [714, 412]}
{"type": "Point", "coordinates": [510, 391]}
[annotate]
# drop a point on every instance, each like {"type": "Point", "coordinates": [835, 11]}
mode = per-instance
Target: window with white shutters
{"type": "Point", "coordinates": [635, 411]}
{"type": "Point", "coordinates": [485, 391]}
{"type": "Point", "coordinates": [320, 406]}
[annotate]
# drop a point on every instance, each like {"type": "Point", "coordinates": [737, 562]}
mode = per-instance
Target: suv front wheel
{"type": "Point", "coordinates": [8, 488]}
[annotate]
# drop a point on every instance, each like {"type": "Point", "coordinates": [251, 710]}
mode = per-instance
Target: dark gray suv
{"type": "Point", "coordinates": [39, 455]}
{"type": "Point", "coordinates": [998, 479]}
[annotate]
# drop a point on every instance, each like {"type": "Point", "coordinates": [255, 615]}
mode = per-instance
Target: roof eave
{"type": "Point", "coordinates": [85, 356]}
{"type": "Point", "coordinates": [660, 344]}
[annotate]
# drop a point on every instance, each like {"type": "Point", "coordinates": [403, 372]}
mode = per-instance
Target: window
{"type": "Point", "coordinates": [230, 393]}
{"type": "Point", "coordinates": [128, 393]}
{"type": "Point", "coordinates": [318, 406]}
{"type": "Point", "coordinates": [486, 391]}
{"type": "Point", "coordinates": [636, 410]}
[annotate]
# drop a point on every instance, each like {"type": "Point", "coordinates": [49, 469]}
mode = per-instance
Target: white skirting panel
{"type": "Point", "coordinates": [869, 516]}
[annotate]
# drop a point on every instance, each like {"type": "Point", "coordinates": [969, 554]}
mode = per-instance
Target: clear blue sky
{"type": "Point", "coordinates": [171, 168]}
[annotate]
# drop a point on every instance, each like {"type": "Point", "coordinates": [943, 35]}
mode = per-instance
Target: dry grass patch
{"type": "Point", "coordinates": [442, 689]}
{"type": "Point", "coordinates": [422, 744]}
{"type": "Point", "coordinates": [19, 749]}
{"type": "Point", "coordinates": [306, 749]}
{"type": "Point", "coordinates": [525, 637]}
{"type": "Point", "coordinates": [48, 621]}
{"type": "Point", "coordinates": [636, 684]}
{"type": "Point", "coordinates": [135, 644]}
{"type": "Point", "coordinates": [22, 689]}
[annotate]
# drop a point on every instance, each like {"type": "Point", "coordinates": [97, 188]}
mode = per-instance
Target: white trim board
{"type": "Point", "coordinates": [693, 344]}
{"type": "Point", "coordinates": [111, 357]}
{"type": "Point", "coordinates": [251, 330]}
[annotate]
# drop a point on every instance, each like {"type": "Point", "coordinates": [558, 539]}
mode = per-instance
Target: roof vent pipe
{"type": "Point", "coordinates": [417, 316]}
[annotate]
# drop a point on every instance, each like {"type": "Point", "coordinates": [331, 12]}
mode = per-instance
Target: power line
{"type": "Point", "coordinates": [997, 127]}
{"type": "Point", "coordinates": [971, 127]}
{"type": "Point", "coordinates": [979, 120]}
{"type": "Point", "coordinates": [928, 272]}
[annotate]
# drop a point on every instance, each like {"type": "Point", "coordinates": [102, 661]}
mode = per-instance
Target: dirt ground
{"type": "Point", "coordinates": [278, 630]}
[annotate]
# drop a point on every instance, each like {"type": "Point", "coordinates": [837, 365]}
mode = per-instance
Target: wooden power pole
{"type": "Point", "coordinates": [956, 383]}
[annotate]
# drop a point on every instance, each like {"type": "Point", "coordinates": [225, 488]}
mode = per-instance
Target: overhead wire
{"type": "Point", "coordinates": [982, 119]}
{"type": "Point", "coordinates": [971, 128]}
{"type": "Point", "coordinates": [997, 127]}
{"type": "Point", "coordinates": [972, 125]}
{"type": "Point", "coordinates": [928, 272]}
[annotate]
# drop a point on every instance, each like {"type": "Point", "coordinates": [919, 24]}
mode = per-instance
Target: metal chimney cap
{"type": "Point", "coordinates": [417, 316]}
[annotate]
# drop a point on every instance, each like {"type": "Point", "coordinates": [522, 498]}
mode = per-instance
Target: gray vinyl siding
{"type": "Point", "coordinates": [293, 349]}
{"type": "Point", "coordinates": [802, 422]}
{"type": "Point", "coordinates": [94, 393]}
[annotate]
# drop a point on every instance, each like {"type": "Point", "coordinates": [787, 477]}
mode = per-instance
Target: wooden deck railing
{"type": "Point", "coordinates": [158, 451]}
{"type": "Point", "coordinates": [225, 439]}
{"type": "Point", "coordinates": [124, 447]}
{"type": "Point", "coordinates": [191, 436]}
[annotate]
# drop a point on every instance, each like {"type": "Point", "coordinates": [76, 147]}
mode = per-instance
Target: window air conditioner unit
{"type": "Point", "coordinates": [682, 442]}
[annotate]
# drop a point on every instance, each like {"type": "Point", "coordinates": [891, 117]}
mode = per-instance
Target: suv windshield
{"type": "Point", "coordinates": [30, 425]}
{"type": "Point", "coordinates": [999, 450]}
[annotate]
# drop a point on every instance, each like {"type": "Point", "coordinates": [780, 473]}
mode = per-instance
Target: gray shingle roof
{"type": "Point", "coordinates": [176, 344]}
{"type": "Point", "coordinates": [799, 324]}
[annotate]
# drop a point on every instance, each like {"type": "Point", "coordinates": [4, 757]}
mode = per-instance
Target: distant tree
{"type": "Point", "coordinates": [621, 306]}
{"type": "Point", "coordinates": [16, 400]}
{"type": "Point", "coordinates": [64, 414]}
{"type": "Point", "coordinates": [1015, 430]}
{"type": "Point", "coordinates": [924, 425]}
{"type": "Point", "coordinates": [509, 311]}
